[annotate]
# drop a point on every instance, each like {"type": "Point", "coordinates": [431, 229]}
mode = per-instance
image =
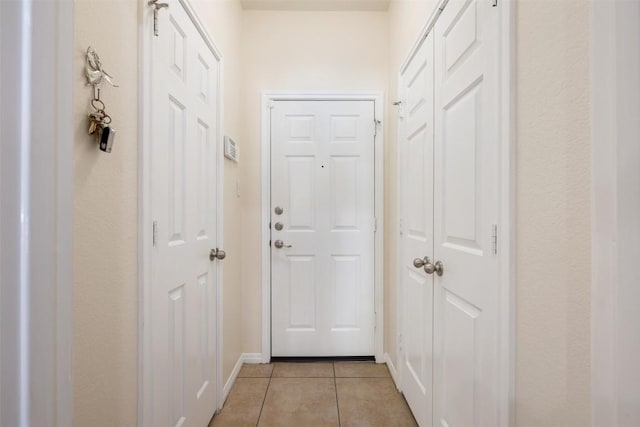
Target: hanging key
{"type": "Point", "coordinates": [95, 121]}
{"type": "Point", "coordinates": [156, 7]}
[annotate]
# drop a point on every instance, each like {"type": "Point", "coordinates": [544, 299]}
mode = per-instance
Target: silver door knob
{"type": "Point", "coordinates": [437, 268]}
{"type": "Point", "coordinates": [280, 244]}
{"type": "Point", "coordinates": [278, 226]}
{"type": "Point", "coordinates": [421, 262]}
{"type": "Point", "coordinates": [216, 253]}
{"type": "Point", "coordinates": [429, 268]}
{"type": "Point", "coordinates": [278, 210]}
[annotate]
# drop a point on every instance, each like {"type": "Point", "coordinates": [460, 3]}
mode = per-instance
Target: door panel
{"type": "Point", "coordinates": [184, 127]}
{"type": "Point", "coordinates": [465, 197]}
{"type": "Point", "coordinates": [322, 176]}
{"type": "Point", "coordinates": [416, 175]}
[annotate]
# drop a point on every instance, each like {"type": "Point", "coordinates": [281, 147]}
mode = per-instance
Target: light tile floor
{"type": "Point", "coordinates": [314, 394]}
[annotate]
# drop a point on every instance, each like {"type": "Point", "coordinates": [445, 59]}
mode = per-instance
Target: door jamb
{"type": "Point", "coordinates": [145, 217]}
{"type": "Point", "coordinates": [614, 211]}
{"type": "Point", "coordinates": [507, 208]}
{"type": "Point", "coordinates": [267, 99]}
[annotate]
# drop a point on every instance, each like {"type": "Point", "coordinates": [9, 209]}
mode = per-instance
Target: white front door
{"type": "Point", "coordinates": [416, 241]}
{"type": "Point", "coordinates": [466, 209]}
{"type": "Point", "coordinates": [322, 211]}
{"type": "Point", "coordinates": [184, 103]}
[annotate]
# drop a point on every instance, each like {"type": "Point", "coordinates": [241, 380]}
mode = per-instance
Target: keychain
{"type": "Point", "coordinates": [99, 122]}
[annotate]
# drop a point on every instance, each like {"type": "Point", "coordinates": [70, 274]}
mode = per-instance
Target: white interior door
{"type": "Point", "coordinates": [416, 240]}
{"type": "Point", "coordinates": [466, 210]}
{"type": "Point", "coordinates": [322, 177]}
{"type": "Point", "coordinates": [184, 159]}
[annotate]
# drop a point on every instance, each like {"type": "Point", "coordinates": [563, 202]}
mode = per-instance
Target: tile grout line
{"type": "Point", "coordinates": [335, 385]}
{"type": "Point", "coordinates": [264, 399]}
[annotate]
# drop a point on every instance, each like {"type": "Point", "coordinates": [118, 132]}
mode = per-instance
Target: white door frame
{"type": "Point", "coordinates": [267, 99]}
{"type": "Point", "coordinates": [36, 192]}
{"type": "Point", "coordinates": [145, 217]}
{"type": "Point", "coordinates": [615, 63]}
{"type": "Point", "coordinates": [507, 219]}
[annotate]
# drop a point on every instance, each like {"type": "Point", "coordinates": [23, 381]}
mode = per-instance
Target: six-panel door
{"type": "Point", "coordinates": [184, 103]}
{"type": "Point", "coordinates": [322, 177]}
{"type": "Point", "coordinates": [466, 210]}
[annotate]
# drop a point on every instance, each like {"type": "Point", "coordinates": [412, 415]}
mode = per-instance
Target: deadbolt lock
{"type": "Point", "coordinates": [278, 226]}
{"type": "Point", "coordinates": [278, 210]}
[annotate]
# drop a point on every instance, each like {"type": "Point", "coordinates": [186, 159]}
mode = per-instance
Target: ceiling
{"type": "Point", "coordinates": [327, 5]}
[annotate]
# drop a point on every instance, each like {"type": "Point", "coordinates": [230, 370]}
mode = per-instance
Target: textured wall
{"type": "Point", "coordinates": [553, 219]}
{"type": "Point", "coordinates": [105, 224]}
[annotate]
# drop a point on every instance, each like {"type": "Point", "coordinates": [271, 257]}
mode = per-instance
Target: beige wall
{"type": "Point", "coordinates": [553, 221]}
{"type": "Point", "coordinates": [105, 224]}
{"type": "Point", "coordinates": [105, 212]}
{"type": "Point", "coordinates": [297, 51]}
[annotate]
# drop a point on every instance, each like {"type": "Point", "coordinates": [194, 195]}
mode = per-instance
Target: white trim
{"type": "Point", "coordinates": [507, 208]}
{"type": "Point", "coordinates": [507, 213]}
{"type": "Point", "coordinates": [378, 99]}
{"type": "Point", "coordinates": [615, 85]}
{"type": "Point", "coordinates": [36, 187]}
{"type": "Point", "coordinates": [392, 370]}
{"type": "Point", "coordinates": [145, 217]}
{"type": "Point", "coordinates": [232, 379]}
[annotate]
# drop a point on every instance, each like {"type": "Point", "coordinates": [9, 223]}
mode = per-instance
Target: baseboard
{"type": "Point", "coordinates": [232, 378]}
{"type": "Point", "coordinates": [392, 369]}
{"type": "Point", "coordinates": [250, 358]}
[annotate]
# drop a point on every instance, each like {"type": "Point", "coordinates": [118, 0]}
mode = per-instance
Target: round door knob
{"type": "Point", "coordinates": [421, 262]}
{"type": "Point", "coordinates": [437, 268]}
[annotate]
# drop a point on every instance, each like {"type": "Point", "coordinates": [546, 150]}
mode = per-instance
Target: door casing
{"type": "Point", "coordinates": [507, 208]}
{"type": "Point", "coordinates": [145, 217]}
{"type": "Point", "coordinates": [267, 98]}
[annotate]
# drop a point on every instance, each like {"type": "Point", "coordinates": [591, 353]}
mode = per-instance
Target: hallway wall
{"type": "Point", "coordinates": [105, 225]}
{"type": "Point", "coordinates": [553, 214]}
{"type": "Point", "coordinates": [297, 51]}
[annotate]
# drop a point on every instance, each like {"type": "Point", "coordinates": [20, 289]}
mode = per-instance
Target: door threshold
{"type": "Point", "coordinates": [307, 359]}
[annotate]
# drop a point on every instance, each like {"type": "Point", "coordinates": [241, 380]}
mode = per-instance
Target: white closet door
{"type": "Point", "coordinates": [322, 177]}
{"type": "Point", "coordinates": [416, 175]}
{"type": "Point", "coordinates": [183, 150]}
{"type": "Point", "coordinates": [466, 208]}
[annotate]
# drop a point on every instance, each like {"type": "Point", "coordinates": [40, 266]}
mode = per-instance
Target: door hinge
{"type": "Point", "coordinates": [494, 238]}
{"type": "Point", "coordinates": [375, 224]}
{"type": "Point", "coordinates": [156, 7]}
{"type": "Point", "coordinates": [376, 124]}
{"type": "Point", "coordinates": [155, 233]}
